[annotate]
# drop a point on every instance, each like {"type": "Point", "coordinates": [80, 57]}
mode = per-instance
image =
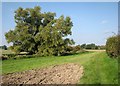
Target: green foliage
{"type": "Point", "coordinates": [7, 56]}
{"type": "Point", "coordinates": [70, 50]}
{"type": "Point", "coordinates": [83, 46]}
{"type": "Point", "coordinates": [39, 33]}
{"type": "Point", "coordinates": [102, 47]}
{"type": "Point", "coordinates": [4, 47]}
{"type": "Point", "coordinates": [113, 46]}
{"type": "Point", "coordinates": [92, 46]}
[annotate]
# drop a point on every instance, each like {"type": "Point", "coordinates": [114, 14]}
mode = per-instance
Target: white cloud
{"type": "Point", "coordinates": [104, 21]}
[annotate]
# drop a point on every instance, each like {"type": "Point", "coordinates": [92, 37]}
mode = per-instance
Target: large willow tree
{"type": "Point", "coordinates": [39, 33]}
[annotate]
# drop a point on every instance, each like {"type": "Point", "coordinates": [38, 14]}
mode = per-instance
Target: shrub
{"type": "Point", "coordinates": [9, 55]}
{"type": "Point", "coordinates": [70, 50]}
{"type": "Point", "coordinates": [2, 57]}
{"type": "Point", "coordinates": [113, 46]}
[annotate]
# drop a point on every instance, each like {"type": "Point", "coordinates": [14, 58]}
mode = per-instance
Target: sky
{"type": "Point", "coordinates": [93, 22]}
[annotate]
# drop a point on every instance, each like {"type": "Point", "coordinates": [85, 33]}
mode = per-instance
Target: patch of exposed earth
{"type": "Point", "coordinates": [58, 74]}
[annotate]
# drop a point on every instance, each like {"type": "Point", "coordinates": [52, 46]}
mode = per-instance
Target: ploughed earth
{"type": "Point", "coordinates": [59, 74]}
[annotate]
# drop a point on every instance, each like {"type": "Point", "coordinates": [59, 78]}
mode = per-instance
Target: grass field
{"type": "Point", "coordinates": [98, 67]}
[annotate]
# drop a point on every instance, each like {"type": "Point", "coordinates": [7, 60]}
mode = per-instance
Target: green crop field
{"type": "Point", "coordinates": [98, 67]}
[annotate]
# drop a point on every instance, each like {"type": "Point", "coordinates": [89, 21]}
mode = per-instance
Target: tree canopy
{"type": "Point", "coordinates": [40, 33]}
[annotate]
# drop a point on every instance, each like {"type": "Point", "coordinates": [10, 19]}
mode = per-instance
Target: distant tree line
{"type": "Point", "coordinates": [4, 47]}
{"type": "Point", "coordinates": [92, 46]}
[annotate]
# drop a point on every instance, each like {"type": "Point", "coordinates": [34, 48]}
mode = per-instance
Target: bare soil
{"type": "Point", "coordinates": [58, 74]}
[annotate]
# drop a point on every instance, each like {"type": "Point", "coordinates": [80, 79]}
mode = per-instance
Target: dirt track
{"type": "Point", "coordinates": [59, 74]}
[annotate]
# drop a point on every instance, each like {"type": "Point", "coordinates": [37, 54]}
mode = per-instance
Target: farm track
{"type": "Point", "coordinates": [59, 74]}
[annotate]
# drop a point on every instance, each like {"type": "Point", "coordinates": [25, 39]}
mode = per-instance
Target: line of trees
{"type": "Point", "coordinates": [4, 47]}
{"type": "Point", "coordinates": [92, 46]}
{"type": "Point", "coordinates": [40, 33]}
